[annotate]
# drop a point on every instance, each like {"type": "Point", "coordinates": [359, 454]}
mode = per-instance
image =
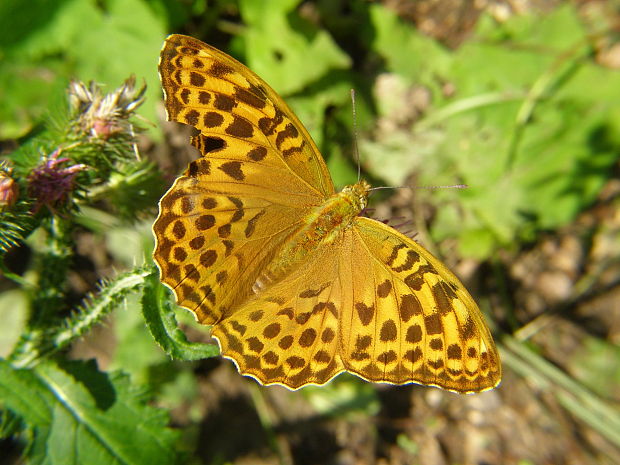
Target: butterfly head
{"type": "Point", "coordinates": [356, 195]}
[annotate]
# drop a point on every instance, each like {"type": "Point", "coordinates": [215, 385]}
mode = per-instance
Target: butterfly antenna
{"type": "Point", "coordinates": [355, 147]}
{"type": "Point", "coordinates": [453, 186]}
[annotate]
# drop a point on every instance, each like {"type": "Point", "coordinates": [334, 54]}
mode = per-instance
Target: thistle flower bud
{"type": "Point", "coordinates": [9, 190]}
{"type": "Point", "coordinates": [100, 115]}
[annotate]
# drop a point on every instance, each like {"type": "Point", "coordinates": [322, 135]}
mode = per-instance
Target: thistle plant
{"type": "Point", "coordinates": [43, 185]}
{"type": "Point", "coordinates": [86, 157]}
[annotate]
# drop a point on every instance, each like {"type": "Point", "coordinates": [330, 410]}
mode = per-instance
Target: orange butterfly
{"type": "Point", "coordinates": [254, 239]}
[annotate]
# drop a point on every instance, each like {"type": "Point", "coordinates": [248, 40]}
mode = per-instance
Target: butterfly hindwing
{"type": "Point", "coordinates": [410, 319]}
{"type": "Point", "coordinates": [405, 319]}
{"type": "Point", "coordinates": [288, 334]}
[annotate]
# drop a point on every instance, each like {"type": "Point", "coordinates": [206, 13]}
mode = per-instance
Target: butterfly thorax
{"type": "Point", "coordinates": [327, 221]}
{"type": "Point", "coordinates": [322, 225]}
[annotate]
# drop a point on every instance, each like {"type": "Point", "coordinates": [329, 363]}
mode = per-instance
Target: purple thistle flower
{"type": "Point", "coordinates": [50, 184]}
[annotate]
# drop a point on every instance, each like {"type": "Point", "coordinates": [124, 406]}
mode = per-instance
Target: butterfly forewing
{"type": "Point", "coordinates": [288, 334]}
{"type": "Point", "coordinates": [220, 97]}
{"type": "Point", "coordinates": [222, 222]}
{"type": "Point", "coordinates": [212, 244]}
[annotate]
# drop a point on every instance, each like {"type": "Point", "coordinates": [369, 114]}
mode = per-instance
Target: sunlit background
{"type": "Point", "coordinates": [519, 100]}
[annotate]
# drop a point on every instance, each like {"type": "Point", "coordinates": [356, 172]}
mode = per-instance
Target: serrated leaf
{"type": "Point", "coordinates": [77, 415]}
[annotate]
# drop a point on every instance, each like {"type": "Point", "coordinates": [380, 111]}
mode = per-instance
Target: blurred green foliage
{"type": "Point", "coordinates": [45, 43]}
{"type": "Point", "coordinates": [532, 126]}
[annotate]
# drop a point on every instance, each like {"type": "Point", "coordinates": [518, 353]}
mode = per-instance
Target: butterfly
{"type": "Point", "coordinates": [296, 285]}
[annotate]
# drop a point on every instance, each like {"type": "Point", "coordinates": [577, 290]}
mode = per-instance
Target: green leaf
{"type": "Point", "coordinates": [407, 52]}
{"type": "Point", "coordinates": [556, 29]}
{"type": "Point", "coordinates": [159, 316]}
{"type": "Point", "coordinates": [77, 414]}
{"type": "Point", "coordinates": [279, 44]}
{"type": "Point", "coordinates": [25, 91]}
